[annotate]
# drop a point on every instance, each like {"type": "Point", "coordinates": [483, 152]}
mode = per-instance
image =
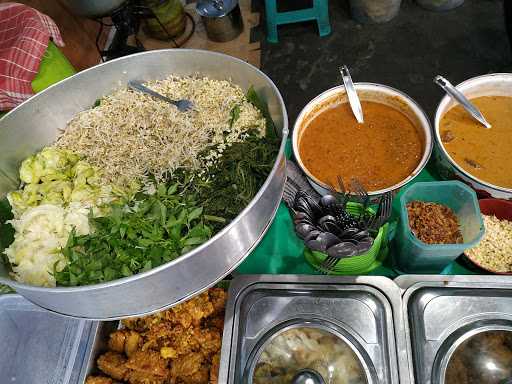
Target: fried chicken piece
{"type": "Point", "coordinates": [218, 299]}
{"type": "Point", "coordinates": [135, 323]}
{"type": "Point", "coordinates": [185, 342]}
{"type": "Point", "coordinates": [113, 365]}
{"type": "Point", "coordinates": [124, 340]}
{"type": "Point", "coordinates": [214, 369]}
{"type": "Point", "coordinates": [142, 324]}
{"type": "Point", "coordinates": [136, 377]}
{"type": "Point", "coordinates": [117, 340]}
{"type": "Point", "coordinates": [216, 321]}
{"type": "Point", "coordinates": [190, 369]}
{"type": "Point", "coordinates": [168, 353]}
{"type": "Point", "coordinates": [191, 311]}
{"type": "Point", "coordinates": [132, 343]}
{"type": "Point", "coordinates": [177, 338]}
{"type": "Point", "coordinates": [100, 380]}
{"type": "Point", "coordinates": [166, 335]}
{"type": "Point", "coordinates": [199, 377]}
{"type": "Point", "coordinates": [209, 340]}
{"type": "Point", "coordinates": [149, 363]}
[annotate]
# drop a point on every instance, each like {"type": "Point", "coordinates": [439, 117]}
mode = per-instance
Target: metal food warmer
{"type": "Point", "coordinates": [459, 329]}
{"type": "Point", "coordinates": [362, 312]}
{"type": "Point", "coordinates": [281, 328]}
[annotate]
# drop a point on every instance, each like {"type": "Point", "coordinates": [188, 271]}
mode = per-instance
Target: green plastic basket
{"type": "Point", "coordinates": [355, 265]}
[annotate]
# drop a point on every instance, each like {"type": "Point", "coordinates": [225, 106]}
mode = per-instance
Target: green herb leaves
{"type": "Point", "coordinates": [235, 178]}
{"type": "Point", "coordinates": [253, 97]}
{"type": "Point", "coordinates": [150, 231]}
{"type": "Point", "coordinates": [235, 115]}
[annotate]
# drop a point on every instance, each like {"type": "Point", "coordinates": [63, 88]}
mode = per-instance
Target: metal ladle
{"type": "Point", "coordinates": [459, 97]}
{"type": "Point", "coordinates": [353, 99]}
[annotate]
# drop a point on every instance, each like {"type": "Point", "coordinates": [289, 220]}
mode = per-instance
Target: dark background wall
{"type": "Point", "coordinates": [405, 53]}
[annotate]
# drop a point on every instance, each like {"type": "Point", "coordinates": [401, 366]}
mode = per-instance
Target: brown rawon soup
{"type": "Point", "coordinates": [380, 153]}
{"type": "Point", "coordinates": [484, 153]}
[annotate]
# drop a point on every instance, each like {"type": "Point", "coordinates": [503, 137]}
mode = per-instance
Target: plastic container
{"type": "Point", "coordinates": [371, 11]}
{"type": "Point", "coordinates": [354, 265]}
{"type": "Point", "coordinates": [414, 256]}
{"type": "Point", "coordinates": [440, 5]}
{"type": "Point", "coordinates": [39, 346]}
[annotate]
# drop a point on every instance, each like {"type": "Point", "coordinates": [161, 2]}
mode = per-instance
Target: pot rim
{"type": "Point", "coordinates": [442, 104]}
{"type": "Point", "coordinates": [385, 89]}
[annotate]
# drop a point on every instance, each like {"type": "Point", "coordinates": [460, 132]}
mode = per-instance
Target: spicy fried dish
{"type": "Point", "coordinates": [178, 346]}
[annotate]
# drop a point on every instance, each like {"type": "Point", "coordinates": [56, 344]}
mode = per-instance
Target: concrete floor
{"type": "Point", "coordinates": [405, 53]}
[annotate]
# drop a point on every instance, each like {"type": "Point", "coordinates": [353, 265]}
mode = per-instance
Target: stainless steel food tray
{"type": "Point", "coordinates": [38, 346]}
{"type": "Point", "coordinates": [97, 341]}
{"type": "Point", "coordinates": [442, 311]}
{"type": "Point", "coordinates": [96, 345]}
{"type": "Point", "coordinates": [365, 310]}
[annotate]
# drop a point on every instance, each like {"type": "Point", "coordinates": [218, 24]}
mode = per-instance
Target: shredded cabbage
{"type": "Point", "coordinates": [58, 177]}
{"type": "Point", "coordinates": [41, 232]}
{"type": "Point", "coordinates": [59, 193]}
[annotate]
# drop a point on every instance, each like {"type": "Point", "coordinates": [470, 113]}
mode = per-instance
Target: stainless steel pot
{"type": "Point", "coordinates": [221, 24]}
{"type": "Point", "coordinates": [367, 92]}
{"type": "Point", "coordinates": [35, 124]}
{"type": "Point", "coordinates": [496, 84]}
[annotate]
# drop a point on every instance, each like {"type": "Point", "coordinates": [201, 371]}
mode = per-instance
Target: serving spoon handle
{"type": "Point", "coordinates": [463, 100]}
{"type": "Point", "coordinates": [353, 99]}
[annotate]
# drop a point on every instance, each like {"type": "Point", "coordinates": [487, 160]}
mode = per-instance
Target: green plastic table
{"type": "Point", "coordinates": [281, 251]}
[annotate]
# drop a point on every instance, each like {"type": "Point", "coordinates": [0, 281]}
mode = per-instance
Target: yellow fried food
{"type": "Point", "coordinates": [113, 365]}
{"type": "Point", "coordinates": [178, 346]}
{"type": "Point", "coordinates": [99, 380]}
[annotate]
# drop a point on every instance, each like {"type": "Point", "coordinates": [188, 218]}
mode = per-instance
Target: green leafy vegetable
{"type": "Point", "coordinates": [6, 230]}
{"type": "Point", "coordinates": [253, 97]}
{"type": "Point", "coordinates": [235, 179]}
{"type": "Point", "coordinates": [150, 231]}
{"type": "Point", "coordinates": [235, 115]}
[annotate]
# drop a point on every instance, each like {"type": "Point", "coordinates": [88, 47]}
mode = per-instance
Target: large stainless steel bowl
{"type": "Point", "coordinates": [367, 92]}
{"type": "Point", "coordinates": [496, 84]}
{"type": "Point", "coordinates": [35, 124]}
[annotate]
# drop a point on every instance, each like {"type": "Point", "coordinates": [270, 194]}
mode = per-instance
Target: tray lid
{"type": "Point", "coordinates": [458, 328]}
{"type": "Point", "coordinates": [293, 351]}
{"type": "Point", "coordinates": [39, 346]}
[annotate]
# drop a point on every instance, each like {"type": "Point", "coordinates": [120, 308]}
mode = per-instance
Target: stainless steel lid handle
{"type": "Point", "coordinates": [457, 95]}
{"type": "Point", "coordinates": [307, 376]}
{"type": "Point", "coordinates": [353, 99]}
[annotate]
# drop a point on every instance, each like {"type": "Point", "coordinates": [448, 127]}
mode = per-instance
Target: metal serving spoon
{"type": "Point", "coordinates": [458, 96]}
{"type": "Point", "coordinates": [353, 99]}
{"type": "Point", "coordinates": [182, 105]}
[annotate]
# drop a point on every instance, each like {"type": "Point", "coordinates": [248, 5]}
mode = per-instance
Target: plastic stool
{"type": "Point", "coordinates": [319, 12]}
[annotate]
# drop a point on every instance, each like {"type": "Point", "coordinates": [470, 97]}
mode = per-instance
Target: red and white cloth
{"type": "Point", "coordinates": [24, 37]}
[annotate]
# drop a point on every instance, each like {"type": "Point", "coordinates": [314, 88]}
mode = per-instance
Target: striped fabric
{"type": "Point", "coordinates": [24, 36]}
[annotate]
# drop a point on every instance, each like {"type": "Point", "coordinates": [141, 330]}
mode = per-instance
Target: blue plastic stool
{"type": "Point", "coordinates": [319, 12]}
